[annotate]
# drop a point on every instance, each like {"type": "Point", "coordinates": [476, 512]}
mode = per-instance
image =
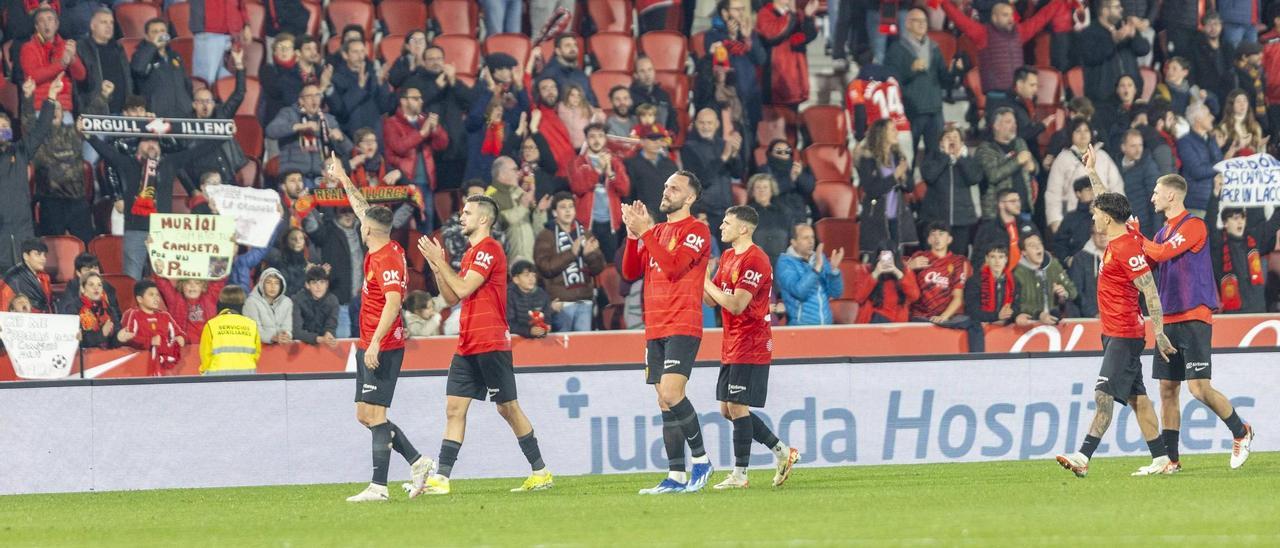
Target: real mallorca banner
{"type": "Point", "coordinates": [199, 247]}
{"type": "Point", "coordinates": [41, 346]}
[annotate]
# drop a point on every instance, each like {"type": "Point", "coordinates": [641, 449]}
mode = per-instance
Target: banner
{"type": "Point", "coordinates": [337, 197]}
{"type": "Point", "coordinates": [178, 128]}
{"type": "Point", "coordinates": [41, 346]}
{"type": "Point", "coordinates": [256, 212]}
{"type": "Point", "coordinates": [1250, 181]}
{"type": "Point", "coordinates": [199, 247]}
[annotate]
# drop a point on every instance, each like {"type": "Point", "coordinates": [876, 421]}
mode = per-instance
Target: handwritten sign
{"type": "Point", "coordinates": [1250, 181]}
{"type": "Point", "coordinates": [191, 246]}
{"type": "Point", "coordinates": [41, 346]}
{"type": "Point", "coordinates": [256, 212]}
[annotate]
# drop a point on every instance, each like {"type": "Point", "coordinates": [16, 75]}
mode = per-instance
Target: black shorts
{"type": "Point", "coordinates": [1121, 374]}
{"type": "Point", "coordinates": [1194, 341]}
{"type": "Point", "coordinates": [744, 384]}
{"type": "Point", "coordinates": [378, 386]}
{"type": "Point", "coordinates": [674, 354]}
{"type": "Point", "coordinates": [488, 375]}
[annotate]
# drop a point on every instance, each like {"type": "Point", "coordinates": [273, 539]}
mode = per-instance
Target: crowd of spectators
{"type": "Point", "coordinates": [892, 207]}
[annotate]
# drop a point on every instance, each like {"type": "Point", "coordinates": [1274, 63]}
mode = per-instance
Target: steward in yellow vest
{"type": "Point", "coordinates": [229, 343]}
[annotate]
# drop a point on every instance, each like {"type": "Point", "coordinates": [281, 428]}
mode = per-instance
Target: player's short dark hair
{"type": "Point", "coordinates": [1000, 194]}
{"type": "Point", "coordinates": [317, 273]}
{"type": "Point", "coordinates": [694, 183]}
{"type": "Point", "coordinates": [417, 300]}
{"type": "Point", "coordinates": [1081, 183]}
{"type": "Point", "coordinates": [1173, 181]}
{"type": "Point", "coordinates": [1115, 205]}
{"type": "Point", "coordinates": [1023, 72]}
{"type": "Point", "coordinates": [489, 204]}
{"type": "Point", "coordinates": [87, 260]}
{"type": "Point", "coordinates": [560, 197]}
{"type": "Point", "coordinates": [595, 126]}
{"type": "Point", "coordinates": [380, 216]}
{"type": "Point", "coordinates": [520, 267]}
{"type": "Point", "coordinates": [745, 214]}
{"type": "Point", "coordinates": [232, 298]}
{"type": "Point", "coordinates": [937, 226]}
{"type": "Point", "coordinates": [34, 244]}
{"type": "Point", "coordinates": [140, 288]}
{"type": "Point", "coordinates": [1229, 212]}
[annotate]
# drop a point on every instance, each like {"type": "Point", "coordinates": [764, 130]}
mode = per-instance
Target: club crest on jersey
{"type": "Point", "coordinates": [671, 245]}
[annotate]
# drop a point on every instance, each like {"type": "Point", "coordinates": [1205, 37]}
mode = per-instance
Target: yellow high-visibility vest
{"type": "Point", "coordinates": [229, 342]}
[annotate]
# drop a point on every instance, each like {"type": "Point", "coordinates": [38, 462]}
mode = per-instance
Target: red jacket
{"type": "Point", "coordinates": [893, 307]}
{"type": "Point", "coordinates": [582, 181]}
{"type": "Point", "coordinates": [219, 16]}
{"type": "Point", "coordinates": [164, 357]}
{"type": "Point", "coordinates": [42, 62]}
{"type": "Point", "coordinates": [189, 317]}
{"type": "Point", "coordinates": [786, 36]}
{"type": "Point", "coordinates": [404, 141]}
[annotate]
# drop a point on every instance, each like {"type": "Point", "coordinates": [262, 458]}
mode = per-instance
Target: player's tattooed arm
{"type": "Point", "coordinates": [1102, 419]}
{"type": "Point", "coordinates": [334, 170]}
{"type": "Point", "coordinates": [1089, 159]}
{"type": "Point", "coordinates": [1146, 283]}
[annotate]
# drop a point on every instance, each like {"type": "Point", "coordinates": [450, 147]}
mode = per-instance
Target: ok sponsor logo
{"type": "Point", "coordinates": [1177, 240]}
{"type": "Point", "coordinates": [1137, 262]}
{"type": "Point", "coordinates": [484, 259]}
{"type": "Point", "coordinates": [752, 277]}
{"type": "Point", "coordinates": [391, 276]}
{"type": "Point", "coordinates": [695, 242]}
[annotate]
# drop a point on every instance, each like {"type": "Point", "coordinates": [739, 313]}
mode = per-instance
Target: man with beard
{"type": "Point", "coordinates": [715, 159]}
{"type": "Point", "coordinates": [304, 132]}
{"type": "Point", "coordinates": [500, 82]}
{"type": "Point", "coordinates": [568, 259]}
{"type": "Point", "coordinates": [551, 127]}
{"type": "Point", "coordinates": [60, 188]}
{"type": "Point", "coordinates": [359, 97]}
{"type": "Point", "coordinates": [645, 90]}
{"type": "Point", "coordinates": [672, 258]}
{"type": "Point", "coordinates": [621, 119]}
{"type": "Point", "coordinates": [649, 170]}
{"type": "Point", "coordinates": [443, 94]}
{"type": "Point", "coordinates": [563, 67]}
{"type": "Point", "coordinates": [229, 157]}
{"type": "Point", "coordinates": [412, 139]}
{"type": "Point", "coordinates": [600, 181]}
{"type": "Point", "coordinates": [1000, 41]}
{"type": "Point", "coordinates": [1109, 48]}
{"type": "Point", "coordinates": [148, 188]}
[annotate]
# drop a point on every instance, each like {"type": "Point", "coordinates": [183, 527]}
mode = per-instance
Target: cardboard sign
{"type": "Point", "coordinates": [1250, 181]}
{"type": "Point", "coordinates": [256, 212]}
{"type": "Point", "coordinates": [197, 247]}
{"type": "Point", "coordinates": [41, 346]}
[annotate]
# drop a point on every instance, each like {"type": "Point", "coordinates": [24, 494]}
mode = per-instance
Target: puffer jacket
{"type": "Point", "coordinates": [806, 293]}
{"type": "Point", "coordinates": [272, 317]}
{"type": "Point", "coordinates": [292, 154]}
{"type": "Point", "coordinates": [1035, 286]}
{"type": "Point", "coordinates": [58, 168]}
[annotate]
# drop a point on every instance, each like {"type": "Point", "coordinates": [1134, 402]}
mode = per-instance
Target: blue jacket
{"type": "Point", "coordinates": [807, 294]}
{"type": "Point", "coordinates": [1199, 155]}
{"type": "Point", "coordinates": [478, 164]}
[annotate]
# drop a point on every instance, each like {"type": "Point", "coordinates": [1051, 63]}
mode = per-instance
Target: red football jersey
{"type": "Point", "coordinates": [672, 257]}
{"type": "Point", "coordinates": [1122, 263]}
{"type": "Point", "coordinates": [748, 338]}
{"type": "Point", "coordinates": [881, 100]}
{"type": "Point", "coordinates": [384, 272]}
{"type": "Point", "coordinates": [938, 281]}
{"type": "Point", "coordinates": [484, 312]}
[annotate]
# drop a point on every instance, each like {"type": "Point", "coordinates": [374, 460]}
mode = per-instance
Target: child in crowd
{"type": "Point", "coordinates": [421, 314]}
{"type": "Point", "coordinates": [647, 122]}
{"type": "Point", "coordinates": [529, 308]}
{"type": "Point", "coordinates": [271, 309]}
{"type": "Point", "coordinates": [150, 328]}
{"type": "Point", "coordinates": [989, 296]}
{"type": "Point", "coordinates": [315, 310]}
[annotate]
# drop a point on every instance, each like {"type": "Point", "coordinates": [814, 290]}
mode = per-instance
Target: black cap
{"type": "Point", "coordinates": [497, 61]}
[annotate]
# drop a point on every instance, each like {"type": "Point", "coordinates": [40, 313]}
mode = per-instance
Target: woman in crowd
{"type": "Point", "coordinates": [883, 171]}
{"type": "Point", "coordinates": [577, 114]}
{"type": "Point", "coordinates": [884, 291]}
{"type": "Point", "coordinates": [773, 232]}
{"type": "Point", "coordinates": [99, 321]}
{"type": "Point", "coordinates": [1239, 133]}
{"type": "Point", "coordinates": [292, 255]}
{"type": "Point", "coordinates": [1059, 196]}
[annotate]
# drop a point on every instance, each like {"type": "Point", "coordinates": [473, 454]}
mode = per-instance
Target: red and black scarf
{"type": "Point", "coordinates": [93, 314]}
{"type": "Point", "coordinates": [988, 301]}
{"type": "Point", "coordinates": [494, 136]}
{"type": "Point", "coordinates": [1229, 286]}
{"type": "Point", "coordinates": [144, 204]}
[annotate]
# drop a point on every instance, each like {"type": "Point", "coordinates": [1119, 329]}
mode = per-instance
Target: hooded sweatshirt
{"type": "Point", "coordinates": [272, 316]}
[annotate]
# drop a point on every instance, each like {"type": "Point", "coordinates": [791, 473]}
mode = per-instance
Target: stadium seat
{"type": "Point", "coordinates": [180, 197]}
{"type": "Point", "coordinates": [334, 44]}
{"type": "Point", "coordinates": [456, 16]}
{"type": "Point", "coordinates": [1149, 80]}
{"type": "Point", "coordinates": [946, 44]}
{"type": "Point", "coordinates": [109, 250]}
{"type": "Point", "coordinates": [849, 269]}
{"type": "Point", "coordinates": [446, 202]}
{"type": "Point", "coordinates": [252, 89]}
{"type": "Point", "coordinates": [838, 233]}
{"type": "Point", "coordinates": [402, 16]}
{"type": "Point", "coordinates": [132, 19]}
{"type": "Point", "coordinates": [677, 84]}
{"type": "Point", "coordinates": [130, 45]}
{"type": "Point", "coordinates": [844, 311]}
{"type": "Point", "coordinates": [825, 124]}
{"type": "Point", "coordinates": [609, 281]}
{"type": "Point", "coordinates": [973, 81]}
{"type": "Point", "coordinates": [1049, 94]}
{"type": "Point", "coordinates": [698, 45]}
{"type": "Point", "coordinates": [351, 12]}
{"type": "Point", "coordinates": [61, 264]}
{"type": "Point", "coordinates": [390, 47]}
{"type": "Point", "coordinates": [255, 53]}
{"type": "Point", "coordinates": [9, 98]}
{"type": "Point", "coordinates": [123, 285]}
{"type": "Point", "coordinates": [834, 198]}
{"type": "Point", "coordinates": [249, 174]}
{"type": "Point", "coordinates": [257, 18]}
{"type": "Point", "coordinates": [830, 162]}
{"type": "Point", "coordinates": [1075, 81]}
{"type": "Point", "coordinates": [739, 194]}
{"type": "Point", "coordinates": [416, 261]}
{"type": "Point", "coordinates": [781, 124]}
{"type": "Point", "coordinates": [610, 15]}
{"type": "Point", "coordinates": [1051, 126]}
{"type": "Point", "coordinates": [513, 44]}
{"type": "Point", "coordinates": [604, 80]}
{"type": "Point", "coordinates": [316, 17]}
{"type": "Point", "coordinates": [462, 51]}
{"type": "Point", "coordinates": [669, 50]}
{"type": "Point", "coordinates": [1043, 55]}
{"type": "Point", "coordinates": [185, 47]}
{"type": "Point", "coordinates": [613, 51]}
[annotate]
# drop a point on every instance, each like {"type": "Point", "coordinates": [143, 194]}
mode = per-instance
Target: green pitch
{"type": "Point", "coordinates": [979, 504]}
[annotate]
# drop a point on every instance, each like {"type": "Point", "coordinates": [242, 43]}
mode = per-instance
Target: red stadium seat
{"type": "Point", "coordinates": [834, 198]}
{"type": "Point", "coordinates": [123, 285]}
{"type": "Point", "coordinates": [9, 98]}
{"type": "Point", "coordinates": [831, 162]}
{"type": "Point", "coordinates": [1075, 81]}
{"type": "Point", "coordinates": [132, 19]}
{"type": "Point", "coordinates": [61, 264]}
{"type": "Point", "coordinates": [390, 47]}
{"type": "Point", "coordinates": [257, 18]}
{"type": "Point", "coordinates": [130, 45]}
{"type": "Point", "coordinates": [1049, 93]}
{"type": "Point", "coordinates": [610, 15]}
{"type": "Point", "coordinates": [255, 53]}
{"type": "Point", "coordinates": [849, 269]}
{"type": "Point", "coordinates": [844, 311]}
{"type": "Point", "coordinates": [456, 16]}
{"type": "Point", "coordinates": [698, 44]}
{"type": "Point", "coordinates": [838, 232]}
{"type": "Point", "coordinates": [446, 203]}
{"type": "Point", "coordinates": [403, 16]}
{"type": "Point", "coordinates": [316, 17]}
{"type": "Point", "coordinates": [669, 50]}
{"type": "Point", "coordinates": [185, 47]}
{"type": "Point", "coordinates": [973, 81]}
{"type": "Point", "coordinates": [739, 194]}
{"type": "Point", "coordinates": [109, 250]}
{"type": "Point", "coordinates": [351, 12]}
{"type": "Point", "coordinates": [1043, 50]}
{"type": "Point", "coordinates": [825, 124]}
{"type": "Point", "coordinates": [613, 51]}
{"type": "Point", "coordinates": [252, 89]}
{"type": "Point", "coordinates": [610, 282]}
{"type": "Point", "coordinates": [946, 44]}
{"type": "Point", "coordinates": [513, 44]}
{"type": "Point", "coordinates": [676, 84]}
{"type": "Point", "coordinates": [462, 51]}
{"type": "Point", "coordinates": [1149, 80]}
{"type": "Point", "coordinates": [249, 174]}
{"type": "Point", "coordinates": [604, 80]}
{"type": "Point", "coordinates": [180, 197]}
